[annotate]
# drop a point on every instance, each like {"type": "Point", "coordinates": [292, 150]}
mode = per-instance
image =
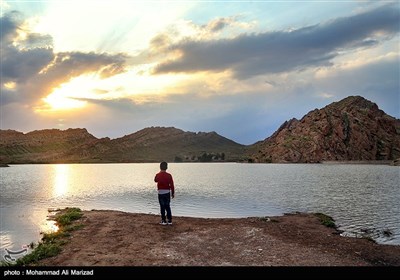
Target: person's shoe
{"type": "Point", "coordinates": [170, 222]}
{"type": "Point", "coordinates": [163, 223]}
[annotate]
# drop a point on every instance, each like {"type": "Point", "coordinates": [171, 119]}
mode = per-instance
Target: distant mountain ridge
{"type": "Point", "coordinates": [353, 129]}
{"type": "Point", "coordinates": [147, 145]}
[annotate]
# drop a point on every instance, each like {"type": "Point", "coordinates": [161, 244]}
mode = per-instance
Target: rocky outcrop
{"type": "Point", "coordinates": [351, 129]}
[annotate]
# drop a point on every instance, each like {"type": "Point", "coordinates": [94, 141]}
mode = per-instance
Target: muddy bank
{"type": "Point", "coordinates": [114, 238]}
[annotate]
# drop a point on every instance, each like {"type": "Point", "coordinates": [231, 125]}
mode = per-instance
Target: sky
{"type": "Point", "coordinates": [239, 68]}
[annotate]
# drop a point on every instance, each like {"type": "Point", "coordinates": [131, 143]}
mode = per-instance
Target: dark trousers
{"type": "Point", "coordinates": [165, 200]}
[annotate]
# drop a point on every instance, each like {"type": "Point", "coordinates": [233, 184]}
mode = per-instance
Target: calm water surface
{"type": "Point", "coordinates": [361, 198]}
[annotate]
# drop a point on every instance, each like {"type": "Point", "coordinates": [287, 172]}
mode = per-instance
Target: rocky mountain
{"type": "Point", "coordinates": [351, 129]}
{"type": "Point", "coordinates": [147, 145]}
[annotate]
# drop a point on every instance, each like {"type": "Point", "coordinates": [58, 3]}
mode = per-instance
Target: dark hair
{"type": "Point", "coordinates": [163, 165]}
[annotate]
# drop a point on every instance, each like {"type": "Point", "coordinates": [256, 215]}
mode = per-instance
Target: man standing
{"type": "Point", "coordinates": [166, 190]}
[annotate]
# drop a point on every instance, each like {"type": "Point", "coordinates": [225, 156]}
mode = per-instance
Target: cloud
{"type": "Point", "coordinates": [254, 54]}
{"type": "Point", "coordinates": [377, 80]}
{"type": "Point", "coordinates": [8, 25]}
{"type": "Point", "coordinates": [30, 62]}
{"type": "Point", "coordinates": [72, 64]}
{"type": "Point", "coordinates": [187, 30]}
{"type": "Point", "coordinates": [21, 65]}
{"type": "Point", "coordinates": [37, 40]}
{"type": "Point", "coordinates": [218, 24]}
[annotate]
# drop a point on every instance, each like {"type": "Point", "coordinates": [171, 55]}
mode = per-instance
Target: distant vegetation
{"type": "Point", "coordinates": [204, 157]}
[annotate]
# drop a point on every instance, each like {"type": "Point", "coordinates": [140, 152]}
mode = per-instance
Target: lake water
{"type": "Point", "coordinates": [361, 198]}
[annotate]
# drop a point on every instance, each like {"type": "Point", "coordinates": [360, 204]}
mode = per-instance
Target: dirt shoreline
{"type": "Point", "coordinates": [115, 238]}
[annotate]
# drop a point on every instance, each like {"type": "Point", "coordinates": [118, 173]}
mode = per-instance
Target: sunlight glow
{"type": "Point", "coordinates": [10, 85]}
{"type": "Point", "coordinates": [141, 85]}
{"type": "Point", "coordinates": [61, 179]}
{"type": "Point", "coordinates": [53, 227]}
{"type": "Point", "coordinates": [148, 84]}
{"type": "Point", "coordinates": [66, 95]}
{"type": "Point", "coordinates": [49, 225]}
{"type": "Point", "coordinates": [63, 103]}
{"type": "Point", "coordinates": [128, 25]}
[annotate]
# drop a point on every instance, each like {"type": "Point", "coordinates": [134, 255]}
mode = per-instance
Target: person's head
{"type": "Point", "coordinates": [163, 165]}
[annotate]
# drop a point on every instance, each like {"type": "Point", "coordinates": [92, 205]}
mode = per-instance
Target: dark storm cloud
{"type": "Point", "coordinates": [272, 52]}
{"type": "Point", "coordinates": [36, 69]}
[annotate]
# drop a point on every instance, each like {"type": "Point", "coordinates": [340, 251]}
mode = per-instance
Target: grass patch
{"type": "Point", "coordinates": [326, 220]}
{"type": "Point", "coordinates": [44, 250]}
{"type": "Point", "coordinates": [51, 243]}
{"type": "Point", "coordinates": [67, 216]}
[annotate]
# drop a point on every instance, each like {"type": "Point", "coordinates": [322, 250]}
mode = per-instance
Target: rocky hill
{"type": "Point", "coordinates": [42, 146]}
{"type": "Point", "coordinates": [351, 129]}
{"type": "Point", "coordinates": [172, 144]}
{"type": "Point", "coordinates": [148, 145]}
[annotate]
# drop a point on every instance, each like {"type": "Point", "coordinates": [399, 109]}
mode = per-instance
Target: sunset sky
{"type": "Point", "coordinates": [239, 68]}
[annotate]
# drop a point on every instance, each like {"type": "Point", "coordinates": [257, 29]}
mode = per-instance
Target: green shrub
{"type": "Point", "coordinates": [326, 220]}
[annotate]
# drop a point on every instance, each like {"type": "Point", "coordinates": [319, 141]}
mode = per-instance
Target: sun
{"type": "Point", "coordinates": [58, 102]}
{"type": "Point", "coordinates": [68, 96]}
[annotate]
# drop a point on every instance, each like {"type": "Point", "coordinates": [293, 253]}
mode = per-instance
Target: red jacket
{"type": "Point", "coordinates": [164, 181]}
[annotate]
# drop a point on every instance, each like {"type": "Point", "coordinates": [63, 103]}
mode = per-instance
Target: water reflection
{"type": "Point", "coordinates": [50, 226]}
{"type": "Point", "coordinates": [61, 172]}
{"type": "Point", "coordinates": [5, 239]}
